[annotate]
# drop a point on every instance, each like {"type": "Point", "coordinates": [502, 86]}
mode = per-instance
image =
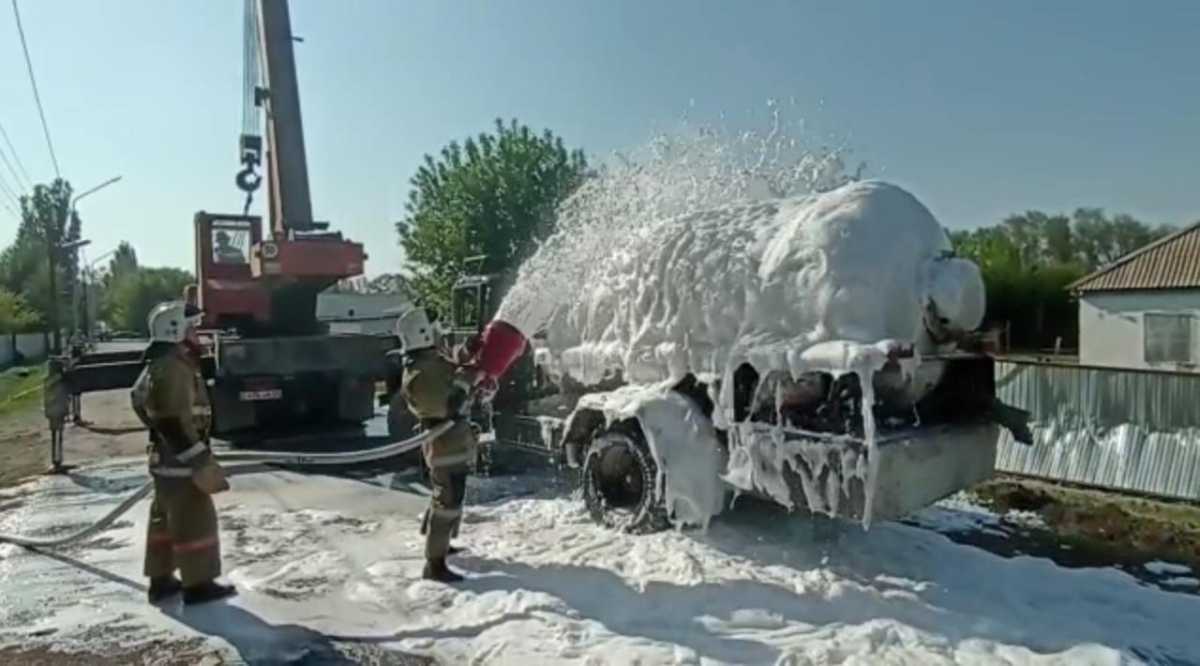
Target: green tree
{"type": "Point", "coordinates": [1028, 260]}
{"type": "Point", "coordinates": [492, 195]}
{"type": "Point", "coordinates": [1102, 240]}
{"type": "Point", "coordinates": [123, 262]}
{"type": "Point", "coordinates": [15, 314]}
{"type": "Point", "coordinates": [128, 300]}
{"type": "Point", "coordinates": [24, 265]}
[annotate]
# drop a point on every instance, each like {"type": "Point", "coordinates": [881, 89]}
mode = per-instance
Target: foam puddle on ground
{"type": "Point", "coordinates": [326, 561]}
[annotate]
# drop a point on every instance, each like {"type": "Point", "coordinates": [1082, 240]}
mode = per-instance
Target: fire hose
{"type": "Point", "coordinates": [244, 462]}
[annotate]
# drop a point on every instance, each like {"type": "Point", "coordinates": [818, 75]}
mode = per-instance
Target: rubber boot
{"type": "Point", "coordinates": [163, 587]}
{"type": "Point", "coordinates": [206, 592]}
{"type": "Point", "coordinates": [438, 571]}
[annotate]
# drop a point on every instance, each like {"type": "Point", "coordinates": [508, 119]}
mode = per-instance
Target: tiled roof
{"type": "Point", "coordinates": [1172, 262]}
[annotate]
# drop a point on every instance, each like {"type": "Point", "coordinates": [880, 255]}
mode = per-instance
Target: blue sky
{"type": "Point", "coordinates": [980, 108]}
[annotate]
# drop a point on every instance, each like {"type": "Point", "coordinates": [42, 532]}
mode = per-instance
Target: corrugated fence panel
{"type": "Point", "coordinates": [1106, 427]}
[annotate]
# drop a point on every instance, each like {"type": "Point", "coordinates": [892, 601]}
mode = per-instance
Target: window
{"type": "Point", "coordinates": [231, 242]}
{"type": "Point", "coordinates": [1168, 338]}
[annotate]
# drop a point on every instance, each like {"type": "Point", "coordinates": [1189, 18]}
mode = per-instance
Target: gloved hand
{"type": "Point", "coordinates": [457, 403]}
{"type": "Point", "coordinates": [210, 478]}
{"type": "Point", "coordinates": [485, 390]}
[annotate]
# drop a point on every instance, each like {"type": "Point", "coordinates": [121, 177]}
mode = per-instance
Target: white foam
{"type": "Point", "coordinates": [764, 283]}
{"type": "Point", "coordinates": [683, 443]}
{"type": "Point", "coordinates": [831, 282]}
{"type": "Point", "coordinates": [1161, 568]}
{"type": "Point", "coordinates": [548, 587]}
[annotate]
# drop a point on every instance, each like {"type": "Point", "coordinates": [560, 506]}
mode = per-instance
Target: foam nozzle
{"type": "Point", "coordinates": [501, 345]}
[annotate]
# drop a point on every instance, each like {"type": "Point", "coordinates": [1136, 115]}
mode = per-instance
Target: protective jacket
{"type": "Point", "coordinates": [171, 399]}
{"type": "Point", "coordinates": [436, 391]}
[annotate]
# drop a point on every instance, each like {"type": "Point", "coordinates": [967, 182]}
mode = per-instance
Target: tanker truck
{"type": "Point", "coordinates": [816, 351]}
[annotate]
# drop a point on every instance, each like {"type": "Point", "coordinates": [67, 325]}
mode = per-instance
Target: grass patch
{"type": "Point", "coordinates": [1116, 528]}
{"type": "Point", "coordinates": [21, 387]}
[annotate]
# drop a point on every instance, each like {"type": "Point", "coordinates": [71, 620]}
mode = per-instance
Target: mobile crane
{"type": "Point", "coordinates": [273, 369]}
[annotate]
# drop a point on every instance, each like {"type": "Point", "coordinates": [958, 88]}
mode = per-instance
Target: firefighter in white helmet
{"type": "Point", "coordinates": [171, 398]}
{"type": "Point", "coordinates": [437, 390]}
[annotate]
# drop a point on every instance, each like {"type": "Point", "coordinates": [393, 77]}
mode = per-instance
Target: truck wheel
{"type": "Point", "coordinates": [619, 483]}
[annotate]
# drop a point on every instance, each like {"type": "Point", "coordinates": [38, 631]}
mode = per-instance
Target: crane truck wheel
{"type": "Point", "coordinates": [619, 481]}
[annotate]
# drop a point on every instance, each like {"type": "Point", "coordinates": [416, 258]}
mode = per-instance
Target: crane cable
{"type": "Point", "coordinates": [245, 462]}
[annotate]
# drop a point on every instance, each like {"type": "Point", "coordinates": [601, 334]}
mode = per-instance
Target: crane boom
{"type": "Point", "coordinates": [287, 165]}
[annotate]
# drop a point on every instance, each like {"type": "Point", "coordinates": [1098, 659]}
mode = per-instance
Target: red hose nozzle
{"type": "Point", "coordinates": [501, 345]}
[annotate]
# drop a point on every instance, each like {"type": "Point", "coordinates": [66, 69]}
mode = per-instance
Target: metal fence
{"type": "Point", "coordinates": [1107, 427]}
{"type": "Point", "coordinates": [30, 347]}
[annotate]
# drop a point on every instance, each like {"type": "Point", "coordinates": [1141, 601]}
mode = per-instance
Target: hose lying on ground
{"type": "Point", "coordinates": [246, 461]}
{"type": "Point", "coordinates": [343, 458]}
{"type": "Point", "coordinates": [30, 542]}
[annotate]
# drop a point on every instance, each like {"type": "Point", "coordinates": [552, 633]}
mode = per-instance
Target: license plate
{"type": "Point", "coordinates": [269, 394]}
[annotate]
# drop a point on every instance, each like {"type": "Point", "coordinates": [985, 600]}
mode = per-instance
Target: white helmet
{"type": "Point", "coordinates": [170, 321]}
{"type": "Point", "coordinates": [415, 330]}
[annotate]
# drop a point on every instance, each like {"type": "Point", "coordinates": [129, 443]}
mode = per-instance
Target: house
{"type": "Point", "coordinates": [374, 314]}
{"type": "Point", "coordinates": [1143, 310]}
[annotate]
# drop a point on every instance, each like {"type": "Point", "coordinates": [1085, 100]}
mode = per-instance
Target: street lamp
{"type": "Point", "coordinates": [53, 249]}
{"type": "Point", "coordinates": [85, 277]}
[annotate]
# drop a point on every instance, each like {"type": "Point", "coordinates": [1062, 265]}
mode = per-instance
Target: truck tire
{"type": "Point", "coordinates": [619, 480]}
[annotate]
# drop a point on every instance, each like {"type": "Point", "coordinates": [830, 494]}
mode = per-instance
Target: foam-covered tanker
{"type": "Point", "coordinates": [816, 351]}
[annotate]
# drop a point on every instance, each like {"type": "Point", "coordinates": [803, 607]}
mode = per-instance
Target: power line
{"type": "Point", "coordinates": [36, 97]}
{"type": "Point", "coordinates": [16, 158]}
{"type": "Point", "coordinates": [16, 178]}
{"type": "Point", "coordinates": [10, 209]}
{"type": "Point", "coordinates": [4, 187]}
{"type": "Point", "coordinates": [9, 192]}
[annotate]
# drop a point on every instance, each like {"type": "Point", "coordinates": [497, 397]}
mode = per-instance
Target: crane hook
{"type": "Point", "coordinates": [247, 180]}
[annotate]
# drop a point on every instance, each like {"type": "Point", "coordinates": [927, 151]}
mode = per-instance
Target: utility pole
{"type": "Point", "coordinates": [87, 279]}
{"type": "Point", "coordinates": [53, 248]}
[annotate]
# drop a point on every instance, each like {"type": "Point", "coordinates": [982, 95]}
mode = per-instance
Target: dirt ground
{"type": "Point", "coordinates": [1091, 527]}
{"type": "Point", "coordinates": [25, 438]}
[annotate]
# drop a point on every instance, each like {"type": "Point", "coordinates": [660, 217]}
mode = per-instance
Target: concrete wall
{"type": "Point", "coordinates": [1111, 331]}
{"type": "Point", "coordinates": [33, 346]}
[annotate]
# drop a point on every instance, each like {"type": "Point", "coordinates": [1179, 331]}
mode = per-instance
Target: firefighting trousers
{"type": "Point", "coordinates": [445, 510]}
{"type": "Point", "coordinates": [182, 533]}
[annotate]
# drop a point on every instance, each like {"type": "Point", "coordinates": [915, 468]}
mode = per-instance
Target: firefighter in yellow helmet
{"type": "Point", "coordinates": [437, 390]}
{"type": "Point", "coordinates": [170, 397]}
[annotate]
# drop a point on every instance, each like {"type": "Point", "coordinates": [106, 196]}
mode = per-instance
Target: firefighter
{"type": "Point", "coordinates": [170, 397]}
{"type": "Point", "coordinates": [437, 391]}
